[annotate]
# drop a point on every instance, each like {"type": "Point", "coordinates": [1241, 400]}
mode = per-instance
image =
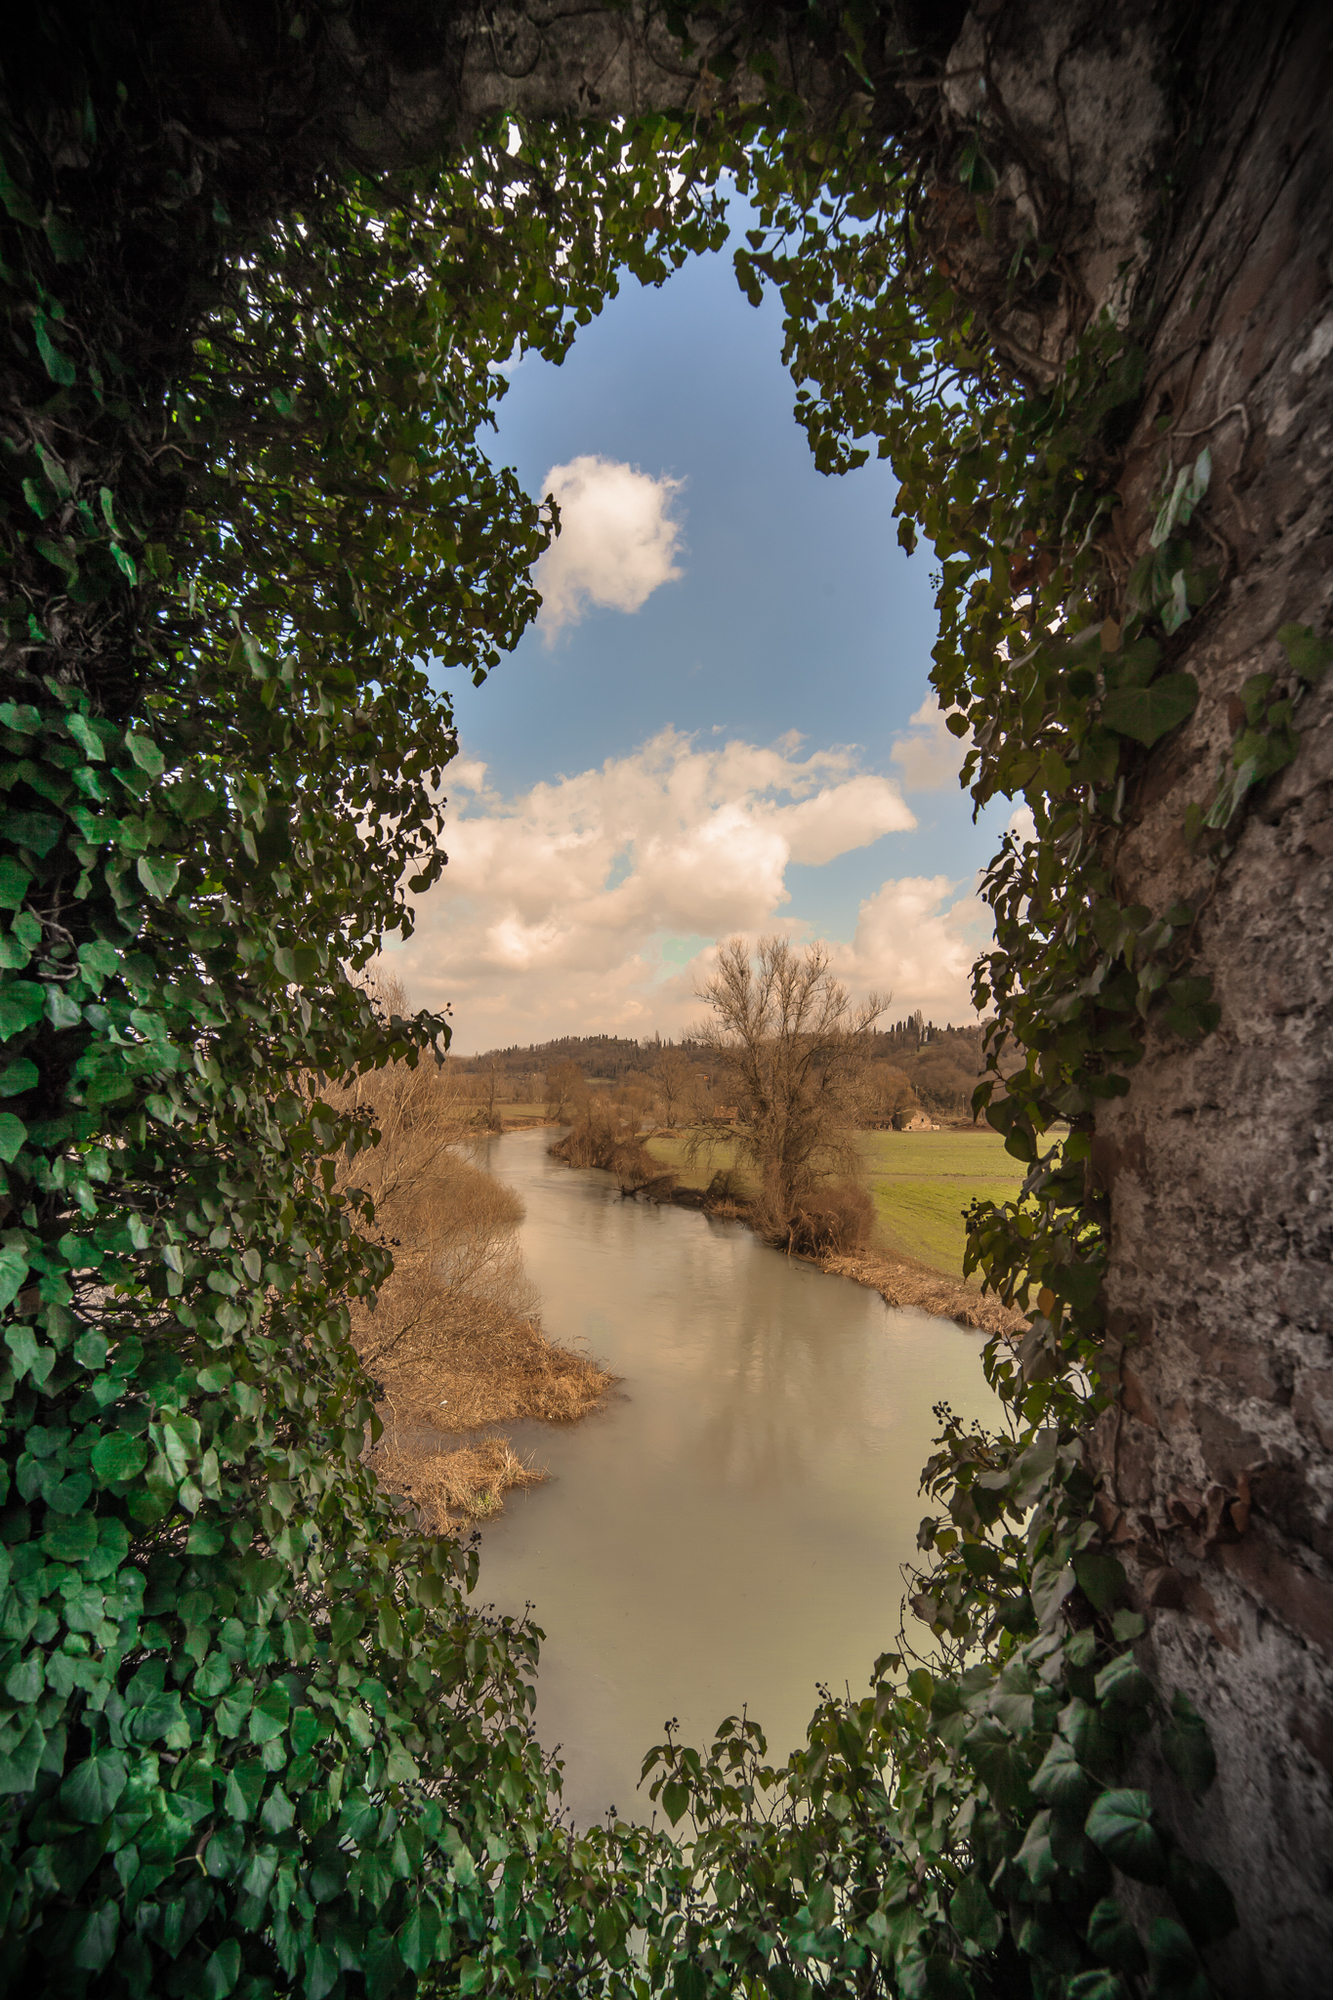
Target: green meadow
{"type": "Point", "coordinates": [670, 1149]}
{"type": "Point", "coordinates": [922, 1182]}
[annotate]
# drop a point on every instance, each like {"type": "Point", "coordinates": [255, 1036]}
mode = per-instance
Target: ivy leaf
{"type": "Point", "coordinates": [15, 881]}
{"type": "Point", "coordinates": [1035, 1856]}
{"type": "Point", "coordinates": [119, 1456]}
{"type": "Point", "coordinates": [159, 1717]}
{"type": "Point", "coordinates": [92, 1788]}
{"type": "Point", "coordinates": [999, 1762]}
{"type": "Point", "coordinates": [158, 877]}
{"type": "Point", "coordinates": [418, 1937]}
{"type": "Point", "coordinates": [1148, 713]}
{"type": "Point", "coordinates": [931, 1978]}
{"type": "Point", "coordinates": [58, 366]}
{"type": "Point", "coordinates": [675, 1800]}
{"type": "Point", "coordinates": [71, 1541]}
{"type": "Point", "coordinates": [1097, 1985]}
{"type": "Point", "coordinates": [19, 1767]}
{"type": "Point", "coordinates": [222, 1970]}
{"type": "Point", "coordinates": [145, 753]}
{"type": "Point", "coordinates": [1122, 1683]}
{"type": "Point", "coordinates": [278, 1811]}
{"type": "Point", "coordinates": [1310, 656]}
{"type": "Point", "coordinates": [1186, 1747]}
{"type": "Point", "coordinates": [13, 1135]}
{"type": "Point", "coordinates": [1100, 1577]}
{"type": "Point", "coordinates": [269, 1716]}
{"type": "Point", "coordinates": [245, 1785]}
{"type": "Point", "coordinates": [96, 1939]}
{"type": "Point", "coordinates": [212, 1678]}
{"type": "Point", "coordinates": [18, 1077]}
{"type": "Point", "coordinates": [1202, 1898]}
{"type": "Point", "coordinates": [1121, 1825]}
{"type": "Point", "coordinates": [30, 1356]}
{"type": "Point", "coordinates": [61, 1011]}
{"type": "Point", "coordinates": [973, 1915]}
{"type": "Point", "coordinates": [1113, 1937]}
{"type": "Point", "coordinates": [22, 1003]}
{"type": "Point", "coordinates": [1173, 1964]}
{"type": "Point", "coordinates": [1061, 1780]}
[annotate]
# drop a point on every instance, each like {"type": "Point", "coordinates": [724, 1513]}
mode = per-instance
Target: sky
{"type": "Point", "coordinates": [721, 723]}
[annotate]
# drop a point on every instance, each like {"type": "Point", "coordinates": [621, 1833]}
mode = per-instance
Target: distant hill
{"type": "Point", "coordinates": [941, 1064]}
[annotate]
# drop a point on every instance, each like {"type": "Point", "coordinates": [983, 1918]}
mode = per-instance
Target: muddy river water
{"type": "Point", "coordinates": [730, 1528]}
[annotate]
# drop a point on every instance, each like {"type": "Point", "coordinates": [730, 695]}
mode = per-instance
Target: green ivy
{"type": "Point", "coordinates": [253, 1736]}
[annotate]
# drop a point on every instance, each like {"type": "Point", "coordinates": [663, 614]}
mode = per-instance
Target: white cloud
{"type": "Point", "coordinates": [617, 543]}
{"type": "Point", "coordinates": [916, 939]}
{"type": "Point", "coordinates": [931, 758]}
{"type": "Point", "coordinates": [592, 903]}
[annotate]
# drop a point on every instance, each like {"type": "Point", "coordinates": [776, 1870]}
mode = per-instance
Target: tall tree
{"type": "Point", "coordinates": [792, 1050]}
{"type": "Point", "coordinates": [677, 1080]}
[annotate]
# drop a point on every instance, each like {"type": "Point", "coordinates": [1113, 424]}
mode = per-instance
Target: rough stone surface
{"type": "Point", "coordinates": [1217, 1483]}
{"type": "Point", "coordinates": [1216, 1463]}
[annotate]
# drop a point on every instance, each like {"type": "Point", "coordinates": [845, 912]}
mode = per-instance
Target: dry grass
{"type": "Point", "coordinates": [446, 1488]}
{"type": "Point", "coordinates": [453, 1341]}
{"type": "Point", "coordinates": [903, 1283]}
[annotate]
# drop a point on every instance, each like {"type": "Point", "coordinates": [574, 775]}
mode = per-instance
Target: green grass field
{"type": "Point", "coordinates": [670, 1150]}
{"type": "Point", "coordinates": [922, 1181]}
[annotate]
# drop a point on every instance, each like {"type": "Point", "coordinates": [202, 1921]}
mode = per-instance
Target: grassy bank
{"type": "Point", "coordinates": [922, 1181]}
{"type": "Point", "coordinates": [669, 1148]}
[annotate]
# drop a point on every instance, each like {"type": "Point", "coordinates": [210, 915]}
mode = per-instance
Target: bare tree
{"type": "Point", "coordinates": [792, 1050]}
{"type": "Point", "coordinates": [495, 1082]}
{"type": "Point", "coordinates": [677, 1081]}
{"type": "Point", "coordinates": [566, 1086]}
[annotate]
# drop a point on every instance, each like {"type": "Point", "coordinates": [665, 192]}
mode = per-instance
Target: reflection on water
{"type": "Point", "coordinates": [730, 1529]}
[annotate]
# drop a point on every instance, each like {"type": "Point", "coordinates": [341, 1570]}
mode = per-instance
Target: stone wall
{"type": "Point", "coordinates": [1216, 1464]}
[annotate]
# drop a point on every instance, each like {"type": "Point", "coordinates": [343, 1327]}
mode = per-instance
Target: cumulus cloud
{"type": "Point", "coordinates": [930, 758]}
{"type": "Point", "coordinates": [617, 544]}
{"type": "Point", "coordinates": [594, 902]}
{"type": "Point", "coordinates": [916, 938]}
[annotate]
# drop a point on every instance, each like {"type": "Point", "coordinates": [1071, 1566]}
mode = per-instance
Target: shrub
{"type": "Point", "coordinates": [606, 1135]}
{"type": "Point", "coordinates": [828, 1222]}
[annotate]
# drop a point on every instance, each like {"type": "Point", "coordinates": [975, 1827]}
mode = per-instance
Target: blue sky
{"type": "Point", "coordinates": [793, 619]}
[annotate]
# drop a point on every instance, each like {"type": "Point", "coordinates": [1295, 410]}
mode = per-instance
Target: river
{"type": "Point", "coordinates": [730, 1528]}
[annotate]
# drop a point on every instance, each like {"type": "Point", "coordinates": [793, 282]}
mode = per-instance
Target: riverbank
{"type": "Point", "coordinates": [452, 1340]}
{"type": "Point", "coordinates": [900, 1281]}
{"type": "Point", "coordinates": [918, 1287]}
{"type": "Point", "coordinates": [920, 1184]}
{"type": "Point", "coordinates": [469, 1362]}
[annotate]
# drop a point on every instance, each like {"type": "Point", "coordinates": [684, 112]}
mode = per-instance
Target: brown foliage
{"type": "Point", "coordinates": [453, 1339]}
{"type": "Point", "coordinates": [793, 1052]}
{"type": "Point", "coordinates": [605, 1134]}
{"type": "Point", "coordinates": [830, 1220]}
{"type": "Point", "coordinates": [446, 1487]}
